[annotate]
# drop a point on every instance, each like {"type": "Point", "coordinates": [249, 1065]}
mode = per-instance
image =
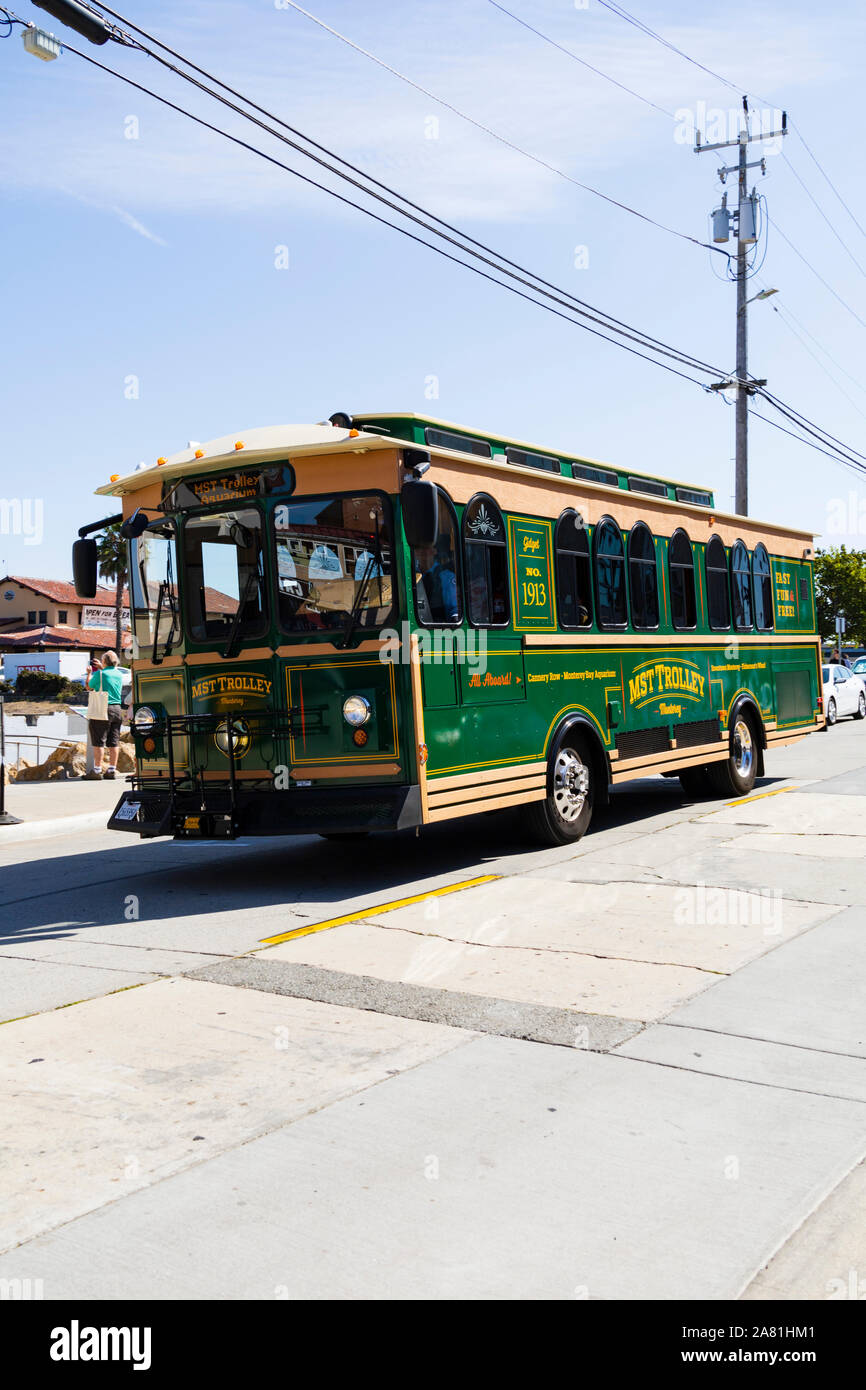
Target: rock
{"type": "Point", "coordinates": [125, 759]}
{"type": "Point", "coordinates": [66, 760]}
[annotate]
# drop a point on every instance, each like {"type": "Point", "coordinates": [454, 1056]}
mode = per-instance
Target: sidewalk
{"type": "Point", "coordinates": [59, 807]}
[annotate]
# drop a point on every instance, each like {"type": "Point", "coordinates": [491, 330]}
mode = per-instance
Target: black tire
{"type": "Point", "coordinates": [695, 782]}
{"type": "Point", "coordinates": [736, 775]}
{"type": "Point", "coordinates": [831, 711]}
{"type": "Point", "coordinates": [564, 815]}
{"type": "Point", "coordinates": [860, 712]}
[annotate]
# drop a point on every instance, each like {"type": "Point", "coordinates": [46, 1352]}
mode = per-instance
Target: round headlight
{"type": "Point", "coordinates": [356, 710]}
{"type": "Point", "coordinates": [240, 737]}
{"type": "Point", "coordinates": [144, 719]}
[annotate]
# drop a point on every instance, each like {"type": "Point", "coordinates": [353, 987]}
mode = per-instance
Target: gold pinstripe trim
{"type": "Point", "coordinates": [467, 779]}
{"type": "Point", "coordinates": [494, 803]}
{"type": "Point", "coordinates": [481, 793]}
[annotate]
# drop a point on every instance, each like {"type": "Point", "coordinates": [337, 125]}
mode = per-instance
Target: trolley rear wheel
{"type": "Point", "coordinates": [736, 775]}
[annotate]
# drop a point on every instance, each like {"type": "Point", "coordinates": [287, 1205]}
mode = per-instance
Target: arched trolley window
{"type": "Point", "coordinates": [573, 571]}
{"type": "Point", "coordinates": [718, 592]}
{"type": "Point", "coordinates": [741, 588]}
{"type": "Point", "coordinates": [643, 577]}
{"type": "Point", "coordinates": [485, 560]}
{"type": "Point", "coordinates": [609, 562]}
{"type": "Point", "coordinates": [763, 589]}
{"type": "Point", "coordinates": [681, 572]}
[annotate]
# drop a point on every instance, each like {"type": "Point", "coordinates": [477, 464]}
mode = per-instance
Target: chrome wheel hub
{"type": "Point", "coordinates": [570, 784]}
{"type": "Point", "coordinates": [744, 752]}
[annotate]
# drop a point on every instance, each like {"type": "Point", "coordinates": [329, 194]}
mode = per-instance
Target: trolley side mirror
{"type": "Point", "coordinates": [84, 567]}
{"type": "Point", "coordinates": [420, 507]}
{"type": "Point", "coordinates": [135, 525]}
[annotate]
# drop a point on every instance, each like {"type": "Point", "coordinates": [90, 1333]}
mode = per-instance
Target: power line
{"type": "Point", "coordinates": [643, 28]}
{"type": "Point", "coordinates": [559, 295]}
{"type": "Point", "coordinates": [823, 171]}
{"type": "Point", "coordinates": [502, 139]}
{"type": "Point", "coordinates": [814, 200]}
{"type": "Point", "coordinates": [785, 313]}
{"type": "Point", "coordinates": [856, 467]}
{"type": "Point", "coordinates": [376, 216]}
{"type": "Point", "coordinates": [824, 368]}
{"type": "Point", "coordinates": [817, 274]}
{"type": "Point", "coordinates": [651, 33]}
{"type": "Point", "coordinates": [839, 451]}
{"type": "Point", "coordinates": [809, 426]}
{"type": "Point", "coordinates": [569, 53]}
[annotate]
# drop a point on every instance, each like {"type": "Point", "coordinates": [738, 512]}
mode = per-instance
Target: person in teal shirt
{"type": "Point", "coordinates": [105, 733]}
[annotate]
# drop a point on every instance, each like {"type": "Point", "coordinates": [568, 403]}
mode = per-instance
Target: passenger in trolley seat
{"type": "Point", "coordinates": [436, 585]}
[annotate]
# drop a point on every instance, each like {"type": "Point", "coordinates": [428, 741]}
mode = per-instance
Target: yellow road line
{"type": "Point", "coordinates": [376, 909]}
{"type": "Point", "coordinates": [744, 800]}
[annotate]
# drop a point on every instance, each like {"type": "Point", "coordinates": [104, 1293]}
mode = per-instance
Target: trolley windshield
{"type": "Point", "coordinates": [333, 562]}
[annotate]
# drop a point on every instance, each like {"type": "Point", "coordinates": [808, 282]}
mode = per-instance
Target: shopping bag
{"type": "Point", "coordinates": [97, 702]}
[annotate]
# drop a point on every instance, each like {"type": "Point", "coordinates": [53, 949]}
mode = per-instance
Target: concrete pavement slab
{"type": "Point", "coordinates": [499, 1170]}
{"type": "Point", "coordinates": [799, 877]}
{"type": "Point", "coordinates": [846, 784]}
{"type": "Point", "coordinates": [33, 986]}
{"type": "Point", "coordinates": [107, 956]}
{"type": "Point", "coordinates": [661, 925]}
{"type": "Point", "coordinates": [506, 1018]}
{"type": "Point", "coordinates": [798, 812]}
{"type": "Point", "coordinates": [61, 798]}
{"type": "Point", "coordinates": [748, 1059]}
{"type": "Point", "coordinates": [562, 979]}
{"type": "Point", "coordinates": [148, 1082]}
{"type": "Point", "coordinates": [825, 846]}
{"type": "Point", "coordinates": [809, 994]}
{"type": "Point", "coordinates": [825, 1258]}
{"type": "Point", "coordinates": [656, 848]}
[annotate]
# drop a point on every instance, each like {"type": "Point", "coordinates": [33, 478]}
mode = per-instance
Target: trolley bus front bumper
{"type": "Point", "coordinates": [227, 813]}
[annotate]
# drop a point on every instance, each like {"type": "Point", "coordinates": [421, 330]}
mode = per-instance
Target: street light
{"type": "Point", "coordinates": [78, 17]}
{"type": "Point", "coordinates": [762, 294]}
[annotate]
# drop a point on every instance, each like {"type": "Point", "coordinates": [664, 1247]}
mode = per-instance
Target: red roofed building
{"type": "Point", "coordinates": [47, 615]}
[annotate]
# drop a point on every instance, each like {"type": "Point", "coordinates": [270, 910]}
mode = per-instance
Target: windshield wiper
{"type": "Point", "coordinates": [163, 589]}
{"type": "Point", "coordinates": [175, 621]}
{"type": "Point", "coordinates": [236, 621]}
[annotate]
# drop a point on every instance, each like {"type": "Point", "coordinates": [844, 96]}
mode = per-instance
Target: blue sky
{"type": "Point", "coordinates": [154, 257]}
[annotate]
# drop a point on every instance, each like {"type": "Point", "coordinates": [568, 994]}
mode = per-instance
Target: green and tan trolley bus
{"type": "Point", "coordinates": [388, 621]}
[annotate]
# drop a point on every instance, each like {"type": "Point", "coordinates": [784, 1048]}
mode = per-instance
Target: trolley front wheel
{"type": "Point", "coordinates": [564, 815]}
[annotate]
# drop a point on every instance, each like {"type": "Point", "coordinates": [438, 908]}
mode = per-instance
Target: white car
{"type": "Point", "coordinates": [844, 693]}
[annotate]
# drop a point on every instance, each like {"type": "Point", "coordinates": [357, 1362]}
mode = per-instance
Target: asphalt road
{"type": "Point", "coordinates": [466, 1068]}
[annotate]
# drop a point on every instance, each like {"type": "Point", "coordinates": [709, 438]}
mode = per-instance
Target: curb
{"type": "Point", "coordinates": [44, 829]}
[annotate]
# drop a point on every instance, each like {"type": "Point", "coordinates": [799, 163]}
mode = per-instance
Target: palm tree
{"type": "Point", "coordinates": [111, 550]}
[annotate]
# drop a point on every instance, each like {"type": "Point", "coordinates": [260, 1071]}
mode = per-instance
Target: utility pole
{"type": "Point", "coordinates": [746, 217]}
{"type": "Point", "coordinates": [741, 428]}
